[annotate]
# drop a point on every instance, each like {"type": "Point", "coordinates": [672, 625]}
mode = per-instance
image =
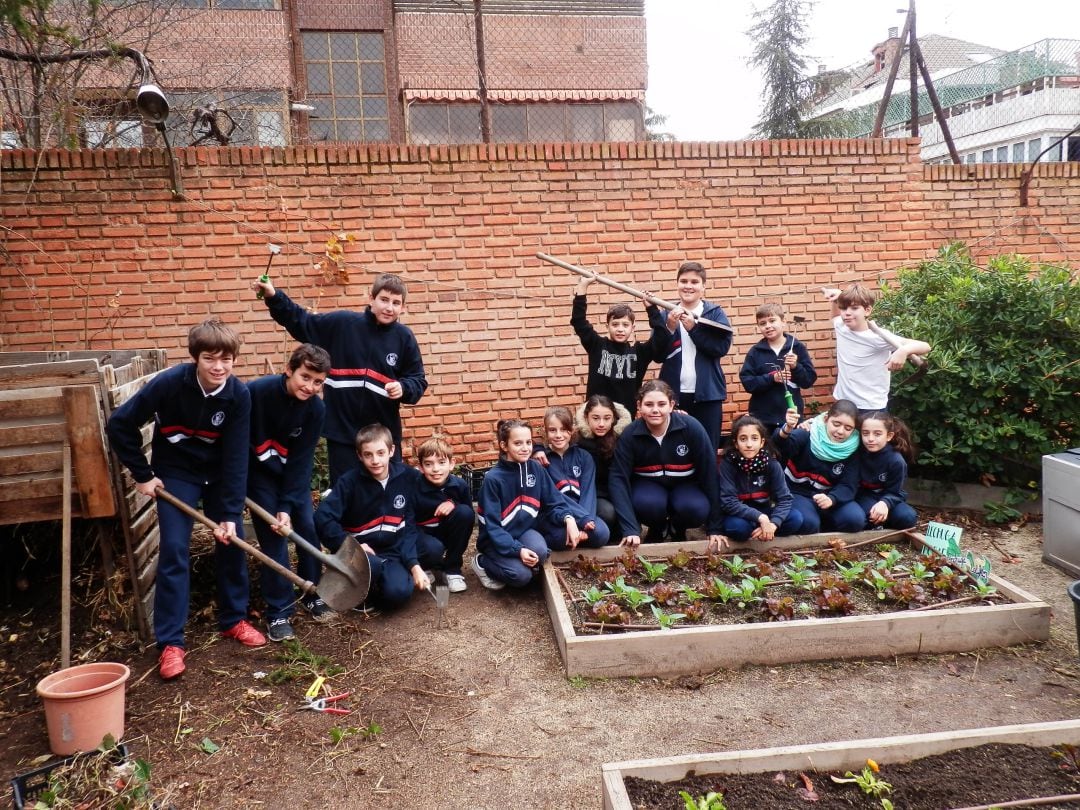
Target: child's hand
{"type": "Point", "coordinates": [540, 457]}
{"type": "Point", "coordinates": [718, 542]}
{"type": "Point", "coordinates": [150, 488]}
{"type": "Point", "coordinates": [529, 557]}
{"type": "Point", "coordinates": [791, 418]}
{"type": "Point", "coordinates": [879, 512]}
{"type": "Point", "coordinates": [225, 532]}
{"type": "Point", "coordinates": [765, 531]}
{"type": "Point", "coordinates": [444, 508]}
{"type": "Point", "coordinates": [897, 359]}
{"type": "Point", "coordinates": [583, 285]}
{"type": "Point", "coordinates": [419, 578]}
{"type": "Point", "coordinates": [631, 541]}
{"type": "Point", "coordinates": [823, 501]}
{"type": "Point", "coordinates": [573, 534]}
{"type": "Point", "coordinates": [265, 287]}
{"type": "Point", "coordinates": [830, 293]}
{"type": "Point", "coordinates": [368, 549]}
{"type": "Point", "coordinates": [394, 390]}
{"type": "Point", "coordinates": [790, 360]}
{"type": "Point", "coordinates": [283, 525]}
{"type": "Point", "coordinates": [779, 377]}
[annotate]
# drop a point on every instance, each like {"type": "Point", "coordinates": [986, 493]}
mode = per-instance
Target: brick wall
{"type": "Point", "coordinates": [95, 253]}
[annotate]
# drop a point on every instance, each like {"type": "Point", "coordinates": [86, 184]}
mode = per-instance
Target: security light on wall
{"type": "Point", "coordinates": [152, 104]}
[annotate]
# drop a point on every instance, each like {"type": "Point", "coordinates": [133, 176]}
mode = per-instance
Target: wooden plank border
{"type": "Point", "coordinates": [835, 756]}
{"type": "Point", "coordinates": [694, 650]}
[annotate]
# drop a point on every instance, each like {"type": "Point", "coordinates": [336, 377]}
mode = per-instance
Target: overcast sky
{"type": "Point", "coordinates": [699, 78]}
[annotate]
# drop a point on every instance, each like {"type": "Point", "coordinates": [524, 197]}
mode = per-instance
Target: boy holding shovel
{"type": "Point", "coordinates": [201, 416]}
{"type": "Point", "coordinates": [286, 421]}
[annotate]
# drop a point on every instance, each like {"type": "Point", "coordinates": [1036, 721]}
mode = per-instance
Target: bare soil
{"type": "Point", "coordinates": [479, 713]}
{"type": "Point", "coordinates": [986, 774]}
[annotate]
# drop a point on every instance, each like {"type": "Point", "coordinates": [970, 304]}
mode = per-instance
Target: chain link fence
{"type": "Point", "coordinates": [247, 72]}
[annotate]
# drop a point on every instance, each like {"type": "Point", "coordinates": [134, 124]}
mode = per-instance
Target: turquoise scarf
{"type": "Point", "coordinates": [825, 448]}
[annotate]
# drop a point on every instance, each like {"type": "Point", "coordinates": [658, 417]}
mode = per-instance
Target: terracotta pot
{"type": "Point", "coordinates": [83, 704]}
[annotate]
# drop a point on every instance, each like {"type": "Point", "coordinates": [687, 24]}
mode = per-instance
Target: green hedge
{"type": "Point", "coordinates": [1003, 387]}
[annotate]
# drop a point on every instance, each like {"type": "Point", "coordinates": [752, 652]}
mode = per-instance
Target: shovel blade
{"type": "Point", "coordinates": [343, 592]}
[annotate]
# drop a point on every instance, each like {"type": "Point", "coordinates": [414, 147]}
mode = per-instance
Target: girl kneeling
{"type": "Point", "coordinates": [753, 493]}
{"type": "Point", "coordinates": [822, 470]}
{"type": "Point", "coordinates": [664, 472]}
{"type": "Point", "coordinates": [887, 449]}
{"type": "Point", "coordinates": [517, 504]}
{"type": "Point", "coordinates": [573, 472]}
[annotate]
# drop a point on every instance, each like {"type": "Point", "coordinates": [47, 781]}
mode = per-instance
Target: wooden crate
{"type": "Point", "coordinates": [690, 650]}
{"type": "Point", "coordinates": [48, 399]}
{"type": "Point", "coordinates": [849, 755]}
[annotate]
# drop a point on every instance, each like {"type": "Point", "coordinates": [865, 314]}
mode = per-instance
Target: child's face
{"type": "Point", "coordinates": [436, 469]}
{"type": "Point", "coordinates": [518, 445]}
{"type": "Point", "coordinates": [600, 420]}
{"type": "Point", "coordinates": [558, 434]}
{"type": "Point", "coordinates": [771, 327]}
{"type": "Point", "coordinates": [874, 435]}
{"type": "Point", "coordinates": [304, 382]}
{"type": "Point", "coordinates": [839, 426]}
{"type": "Point", "coordinates": [387, 306]}
{"type": "Point", "coordinates": [376, 458]}
{"type": "Point", "coordinates": [620, 329]}
{"type": "Point", "coordinates": [749, 441]}
{"type": "Point", "coordinates": [691, 289]}
{"type": "Point", "coordinates": [655, 408]}
{"type": "Point", "coordinates": [213, 368]}
{"type": "Point", "coordinates": [855, 316]}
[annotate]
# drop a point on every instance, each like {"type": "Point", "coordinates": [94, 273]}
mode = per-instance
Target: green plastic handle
{"type": "Point", "coordinates": [790, 399]}
{"type": "Point", "coordinates": [265, 277]}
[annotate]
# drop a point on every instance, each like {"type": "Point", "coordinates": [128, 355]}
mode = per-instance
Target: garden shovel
{"type": "Point", "coordinates": [337, 590]}
{"type": "Point", "coordinates": [441, 594]}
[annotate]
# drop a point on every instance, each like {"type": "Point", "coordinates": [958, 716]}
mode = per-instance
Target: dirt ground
{"type": "Point", "coordinates": [479, 713]}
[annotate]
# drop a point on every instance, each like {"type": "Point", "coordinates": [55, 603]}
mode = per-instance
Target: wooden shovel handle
{"type": "Point", "coordinates": [305, 585]}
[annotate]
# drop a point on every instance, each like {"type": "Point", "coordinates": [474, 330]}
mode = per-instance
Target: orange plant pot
{"type": "Point", "coordinates": [83, 704]}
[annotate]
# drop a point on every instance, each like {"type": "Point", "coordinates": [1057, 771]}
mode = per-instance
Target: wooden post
{"type": "Point", "coordinates": [894, 67]}
{"type": "Point", "coordinates": [936, 103]}
{"type": "Point", "coordinates": [913, 69]}
{"type": "Point", "coordinates": [65, 564]}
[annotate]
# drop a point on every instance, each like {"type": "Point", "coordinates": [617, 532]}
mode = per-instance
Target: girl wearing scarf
{"type": "Point", "coordinates": [753, 493]}
{"type": "Point", "coordinates": [821, 469]}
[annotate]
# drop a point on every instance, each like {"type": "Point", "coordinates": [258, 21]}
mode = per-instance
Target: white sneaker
{"type": "Point", "coordinates": [482, 575]}
{"type": "Point", "coordinates": [456, 583]}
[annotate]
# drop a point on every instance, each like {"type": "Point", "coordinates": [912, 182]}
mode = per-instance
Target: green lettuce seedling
{"type": "Point", "coordinates": [653, 571]}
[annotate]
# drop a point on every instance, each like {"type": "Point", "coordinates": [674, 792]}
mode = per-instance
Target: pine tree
{"type": "Point", "coordinates": [779, 35]}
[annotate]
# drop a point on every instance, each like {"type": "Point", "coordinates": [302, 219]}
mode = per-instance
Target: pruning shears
{"type": "Point", "coordinates": [322, 704]}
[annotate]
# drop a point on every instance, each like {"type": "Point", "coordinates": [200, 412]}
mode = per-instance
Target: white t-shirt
{"type": "Point", "coordinates": [688, 372]}
{"type": "Point", "coordinates": [861, 371]}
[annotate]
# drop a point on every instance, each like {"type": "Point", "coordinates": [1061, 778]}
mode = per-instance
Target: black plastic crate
{"type": "Point", "coordinates": [474, 477]}
{"type": "Point", "coordinates": [28, 786]}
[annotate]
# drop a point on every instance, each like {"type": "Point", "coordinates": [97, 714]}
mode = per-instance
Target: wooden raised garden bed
{"type": "Point", "coordinates": [836, 757]}
{"type": "Point", "coordinates": [1013, 617]}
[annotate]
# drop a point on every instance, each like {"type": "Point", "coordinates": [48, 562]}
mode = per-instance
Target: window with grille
{"type": "Point", "coordinates": [346, 84]}
{"type": "Point", "coordinates": [523, 123]}
{"type": "Point", "coordinates": [231, 4]}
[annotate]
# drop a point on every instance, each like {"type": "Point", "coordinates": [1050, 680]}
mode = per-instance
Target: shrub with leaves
{"type": "Point", "coordinates": [1005, 368]}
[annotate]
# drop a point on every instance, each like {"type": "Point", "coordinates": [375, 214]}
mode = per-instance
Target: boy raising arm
{"type": "Point", "coordinates": [376, 364]}
{"type": "Point", "coordinates": [616, 364]}
{"type": "Point", "coordinates": [199, 452]}
{"type": "Point", "coordinates": [863, 357]}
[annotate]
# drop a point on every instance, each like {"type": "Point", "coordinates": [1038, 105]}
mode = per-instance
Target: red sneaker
{"type": "Point", "coordinates": [171, 663]}
{"type": "Point", "coordinates": [245, 634]}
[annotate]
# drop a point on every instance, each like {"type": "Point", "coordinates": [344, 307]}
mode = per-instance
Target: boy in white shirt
{"type": "Point", "coordinates": [864, 356]}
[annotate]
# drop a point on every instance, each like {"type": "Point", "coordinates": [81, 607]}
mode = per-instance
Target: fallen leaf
{"type": "Point", "coordinates": [952, 670]}
{"type": "Point", "coordinates": [807, 792]}
{"type": "Point", "coordinates": [780, 778]}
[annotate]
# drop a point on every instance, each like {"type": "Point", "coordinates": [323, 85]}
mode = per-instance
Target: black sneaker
{"type": "Point", "coordinates": [319, 610]}
{"type": "Point", "coordinates": [279, 630]}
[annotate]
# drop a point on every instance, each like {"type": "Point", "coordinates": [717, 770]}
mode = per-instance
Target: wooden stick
{"type": "Point", "coordinates": [951, 602]}
{"type": "Point", "coordinates": [65, 563]}
{"type": "Point", "coordinates": [648, 299]}
{"type": "Point", "coordinates": [1037, 802]}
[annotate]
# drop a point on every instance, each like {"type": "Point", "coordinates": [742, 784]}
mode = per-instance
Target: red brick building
{"type": "Point", "coordinates": [398, 71]}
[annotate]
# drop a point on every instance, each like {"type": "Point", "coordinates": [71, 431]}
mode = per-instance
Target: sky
{"type": "Point", "coordinates": [698, 49]}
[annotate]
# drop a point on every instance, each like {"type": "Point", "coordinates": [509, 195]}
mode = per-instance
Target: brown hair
{"type": "Point", "coordinates": [605, 445]}
{"type": "Point", "coordinates": [433, 448]}
{"type": "Point", "coordinates": [620, 311]}
{"type": "Point", "coordinates": [562, 413]}
{"type": "Point", "coordinates": [389, 282]}
{"type": "Point", "coordinates": [212, 335]}
{"type": "Point", "coordinates": [902, 440]}
{"type": "Point", "coordinates": [856, 296]}
{"type": "Point", "coordinates": [314, 357]}
{"type": "Point", "coordinates": [691, 267]}
{"type": "Point", "coordinates": [768, 311]}
{"type": "Point", "coordinates": [505, 426]}
{"type": "Point", "coordinates": [371, 434]}
{"type": "Point", "coordinates": [656, 385]}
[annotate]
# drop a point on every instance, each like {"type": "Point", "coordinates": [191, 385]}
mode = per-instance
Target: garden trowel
{"type": "Point", "coordinates": [441, 594]}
